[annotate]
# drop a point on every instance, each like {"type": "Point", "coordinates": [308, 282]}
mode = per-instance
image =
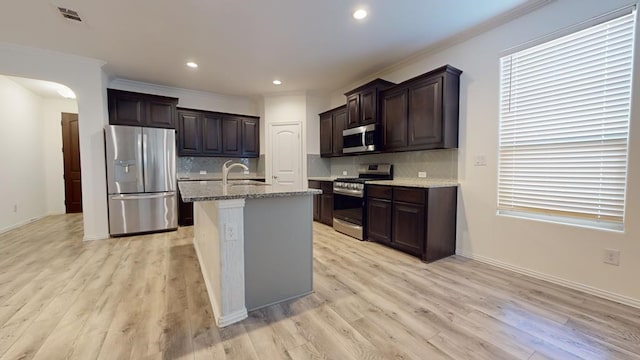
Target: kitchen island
{"type": "Point", "coordinates": [254, 242]}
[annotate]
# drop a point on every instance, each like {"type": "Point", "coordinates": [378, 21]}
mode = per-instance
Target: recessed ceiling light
{"type": "Point", "coordinates": [277, 82]}
{"type": "Point", "coordinates": [360, 14]}
{"type": "Point", "coordinates": [192, 65]}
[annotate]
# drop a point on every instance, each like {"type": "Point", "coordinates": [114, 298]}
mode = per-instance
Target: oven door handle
{"type": "Point", "coordinates": [352, 193]}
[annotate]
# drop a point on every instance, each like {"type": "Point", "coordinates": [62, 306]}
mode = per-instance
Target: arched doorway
{"type": "Point", "coordinates": [86, 78]}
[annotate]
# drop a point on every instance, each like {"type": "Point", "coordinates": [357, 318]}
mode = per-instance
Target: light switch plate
{"type": "Point", "coordinates": [344, 172]}
{"type": "Point", "coordinates": [422, 174]}
{"type": "Point", "coordinates": [611, 256]}
{"type": "Point", "coordinates": [203, 172]}
{"type": "Point", "coordinates": [246, 172]}
{"type": "Point", "coordinates": [480, 160]}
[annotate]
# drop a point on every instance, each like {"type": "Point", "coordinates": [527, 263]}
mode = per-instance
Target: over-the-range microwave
{"type": "Point", "coordinates": [361, 139]}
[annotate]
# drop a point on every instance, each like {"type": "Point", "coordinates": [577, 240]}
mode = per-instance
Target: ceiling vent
{"type": "Point", "coordinates": [70, 14]}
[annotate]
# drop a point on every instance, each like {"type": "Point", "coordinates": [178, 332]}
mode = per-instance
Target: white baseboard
{"type": "Point", "coordinates": [608, 295]}
{"type": "Point", "coordinates": [229, 319]}
{"type": "Point", "coordinates": [15, 226]}
{"type": "Point", "coordinates": [95, 237]}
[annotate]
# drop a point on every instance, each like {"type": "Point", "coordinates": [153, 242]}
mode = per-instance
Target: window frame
{"type": "Point", "coordinates": [553, 216]}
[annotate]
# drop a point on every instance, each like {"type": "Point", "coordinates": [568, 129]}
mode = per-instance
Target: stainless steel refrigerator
{"type": "Point", "coordinates": [141, 179]}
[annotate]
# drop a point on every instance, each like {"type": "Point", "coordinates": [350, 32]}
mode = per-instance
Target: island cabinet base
{"type": "Point", "coordinates": [254, 253]}
{"type": "Point", "coordinates": [278, 249]}
{"type": "Point", "coordinates": [219, 244]}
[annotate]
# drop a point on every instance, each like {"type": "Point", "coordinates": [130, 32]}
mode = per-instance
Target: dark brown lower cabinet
{"type": "Point", "coordinates": [185, 212]}
{"type": "Point", "coordinates": [323, 203]}
{"type": "Point", "coordinates": [326, 214]}
{"type": "Point", "coordinates": [420, 222]}
{"type": "Point", "coordinates": [408, 227]}
{"type": "Point", "coordinates": [378, 209]}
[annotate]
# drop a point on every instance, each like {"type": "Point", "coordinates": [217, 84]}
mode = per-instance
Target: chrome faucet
{"type": "Point", "coordinates": [225, 170]}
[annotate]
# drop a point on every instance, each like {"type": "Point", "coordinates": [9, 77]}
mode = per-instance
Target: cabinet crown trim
{"type": "Point", "coordinates": [374, 83]}
{"type": "Point", "coordinates": [334, 109]}
{"type": "Point", "coordinates": [217, 112]}
{"type": "Point", "coordinates": [142, 95]}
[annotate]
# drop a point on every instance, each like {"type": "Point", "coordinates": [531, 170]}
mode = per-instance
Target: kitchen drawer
{"type": "Point", "coordinates": [379, 192]}
{"type": "Point", "coordinates": [408, 195]}
{"type": "Point", "coordinates": [313, 184]}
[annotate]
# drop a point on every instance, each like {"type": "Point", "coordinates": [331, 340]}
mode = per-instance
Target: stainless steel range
{"type": "Point", "coordinates": [349, 199]}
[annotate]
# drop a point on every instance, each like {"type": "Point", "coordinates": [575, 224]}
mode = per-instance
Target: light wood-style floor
{"type": "Point", "coordinates": [143, 298]}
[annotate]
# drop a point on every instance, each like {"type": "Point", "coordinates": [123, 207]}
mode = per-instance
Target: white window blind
{"type": "Point", "coordinates": [564, 120]}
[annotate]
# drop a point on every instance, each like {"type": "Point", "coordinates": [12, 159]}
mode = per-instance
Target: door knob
{"type": "Point", "coordinates": [275, 177]}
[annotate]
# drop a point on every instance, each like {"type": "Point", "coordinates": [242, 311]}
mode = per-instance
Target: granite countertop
{"type": "Point", "coordinates": [217, 176]}
{"type": "Point", "coordinates": [419, 183]}
{"type": "Point", "coordinates": [214, 190]}
{"type": "Point", "coordinates": [322, 178]}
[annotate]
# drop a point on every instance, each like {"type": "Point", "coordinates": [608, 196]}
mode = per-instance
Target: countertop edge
{"type": "Point", "coordinates": [416, 184]}
{"type": "Point", "coordinates": [251, 196]}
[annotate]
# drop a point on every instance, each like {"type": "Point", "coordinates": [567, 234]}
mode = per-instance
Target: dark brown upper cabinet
{"type": "Point", "coordinates": [422, 113]}
{"type": "Point", "coordinates": [211, 134]}
{"type": "Point", "coordinates": [250, 137]}
{"type": "Point", "coordinates": [137, 109]}
{"type": "Point", "coordinates": [326, 134]}
{"type": "Point", "coordinates": [232, 135]}
{"type": "Point", "coordinates": [189, 138]}
{"type": "Point", "coordinates": [362, 103]}
{"type": "Point", "coordinates": [207, 133]}
{"type": "Point", "coordinates": [394, 115]}
{"type": "Point", "coordinates": [332, 123]}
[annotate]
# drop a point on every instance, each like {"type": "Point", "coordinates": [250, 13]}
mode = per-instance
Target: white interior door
{"type": "Point", "coordinates": [286, 154]}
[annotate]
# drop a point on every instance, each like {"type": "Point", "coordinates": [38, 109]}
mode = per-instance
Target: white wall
{"type": "Point", "coordinates": [565, 254]}
{"type": "Point", "coordinates": [52, 151]}
{"type": "Point", "coordinates": [86, 78]}
{"type": "Point", "coordinates": [21, 160]}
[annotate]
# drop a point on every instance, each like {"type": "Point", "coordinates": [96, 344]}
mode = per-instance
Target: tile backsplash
{"type": "Point", "coordinates": [438, 164]}
{"type": "Point", "coordinates": [213, 165]}
{"type": "Point", "coordinates": [318, 166]}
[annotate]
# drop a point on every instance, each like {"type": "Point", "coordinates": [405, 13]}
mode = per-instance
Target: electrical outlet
{"type": "Point", "coordinates": [203, 172]}
{"type": "Point", "coordinates": [612, 256]}
{"type": "Point", "coordinates": [15, 208]}
{"type": "Point", "coordinates": [344, 172]}
{"type": "Point", "coordinates": [231, 231]}
{"type": "Point", "coordinates": [246, 172]}
{"type": "Point", "coordinates": [422, 174]}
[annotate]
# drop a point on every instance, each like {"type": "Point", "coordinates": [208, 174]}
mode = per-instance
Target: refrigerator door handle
{"type": "Point", "coordinates": [140, 173]}
{"type": "Point", "coordinates": [145, 161]}
{"type": "Point", "coordinates": [140, 197]}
